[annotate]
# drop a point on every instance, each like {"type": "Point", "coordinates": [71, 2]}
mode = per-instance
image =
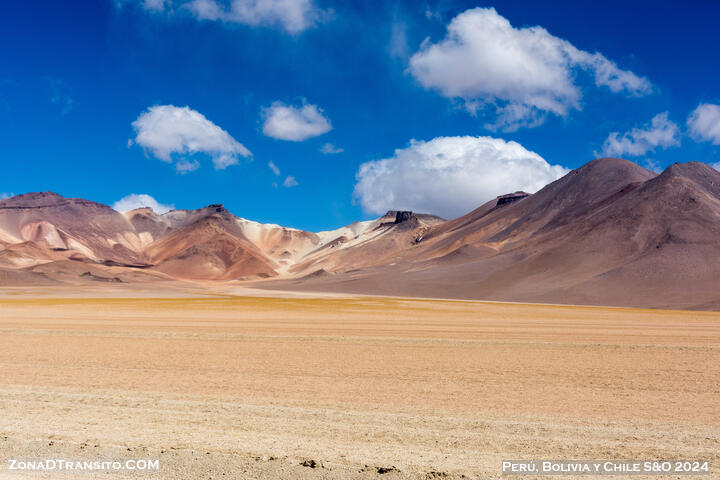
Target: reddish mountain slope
{"type": "Point", "coordinates": [212, 248]}
{"type": "Point", "coordinates": [52, 222]}
{"type": "Point", "coordinates": [383, 241]}
{"type": "Point", "coordinates": [607, 233]}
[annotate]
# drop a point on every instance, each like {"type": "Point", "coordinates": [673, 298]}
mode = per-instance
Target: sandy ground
{"type": "Point", "coordinates": [242, 387]}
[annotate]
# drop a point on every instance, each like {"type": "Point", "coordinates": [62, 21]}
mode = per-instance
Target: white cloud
{"type": "Point", "coordinates": [290, 182]}
{"type": "Point", "coordinates": [398, 45]}
{"type": "Point", "coordinates": [59, 95]}
{"type": "Point", "coordinates": [704, 123]}
{"type": "Point", "coordinates": [287, 122]}
{"type": "Point", "coordinates": [184, 166]}
{"type": "Point", "coordinates": [294, 16]}
{"type": "Point", "coordinates": [660, 132]}
{"type": "Point", "coordinates": [135, 200]}
{"type": "Point", "coordinates": [450, 176]}
{"type": "Point", "coordinates": [652, 165]}
{"type": "Point", "coordinates": [167, 131]}
{"type": "Point", "coordinates": [433, 14]}
{"type": "Point", "coordinates": [525, 73]}
{"type": "Point", "coordinates": [154, 5]}
{"type": "Point", "coordinates": [274, 168]}
{"type": "Point", "coordinates": [330, 149]}
{"type": "Point", "coordinates": [5, 195]}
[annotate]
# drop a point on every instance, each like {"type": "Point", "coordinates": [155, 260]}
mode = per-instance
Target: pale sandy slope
{"type": "Point", "coordinates": [243, 387]}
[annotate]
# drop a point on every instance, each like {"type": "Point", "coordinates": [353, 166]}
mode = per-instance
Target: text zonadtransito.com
{"type": "Point", "coordinates": [59, 464]}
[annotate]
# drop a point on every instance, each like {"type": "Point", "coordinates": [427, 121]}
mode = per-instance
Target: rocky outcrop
{"type": "Point", "coordinates": [511, 197]}
{"type": "Point", "coordinates": [402, 216]}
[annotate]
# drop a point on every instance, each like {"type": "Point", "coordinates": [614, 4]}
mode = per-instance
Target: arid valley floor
{"type": "Point", "coordinates": [221, 386]}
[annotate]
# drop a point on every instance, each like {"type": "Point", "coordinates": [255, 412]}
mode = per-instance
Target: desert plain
{"type": "Point", "coordinates": [240, 384]}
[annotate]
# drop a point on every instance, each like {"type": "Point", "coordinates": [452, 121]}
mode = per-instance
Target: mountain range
{"type": "Point", "coordinates": [607, 233]}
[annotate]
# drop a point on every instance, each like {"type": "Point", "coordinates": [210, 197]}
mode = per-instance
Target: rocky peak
{"type": "Point", "coordinates": [218, 207]}
{"type": "Point", "coordinates": [691, 170]}
{"type": "Point", "coordinates": [402, 216]}
{"type": "Point", "coordinates": [511, 197]}
{"type": "Point", "coordinates": [34, 199]}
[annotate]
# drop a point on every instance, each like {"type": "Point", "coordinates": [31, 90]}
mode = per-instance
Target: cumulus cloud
{"type": "Point", "coordinates": [274, 168]}
{"type": "Point", "coordinates": [330, 149]}
{"type": "Point", "coordinates": [660, 132]}
{"type": "Point", "coordinates": [135, 200]}
{"type": "Point", "coordinates": [287, 122]}
{"type": "Point", "coordinates": [169, 133]}
{"type": "Point", "coordinates": [524, 73]}
{"type": "Point", "coordinates": [290, 182]}
{"type": "Point", "coordinates": [294, 16]}
{"type": "Point", "coordinates": [704, 123]}
{"type": "Point", "coordinates": [450, 176]}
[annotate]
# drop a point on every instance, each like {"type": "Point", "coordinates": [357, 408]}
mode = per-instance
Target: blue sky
{"type": "Point", "coordinates": [83, 86]}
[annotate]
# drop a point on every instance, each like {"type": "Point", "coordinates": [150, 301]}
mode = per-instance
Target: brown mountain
{"type": "Point", "coordinates": [367, 244]}
{"type": "Point", "coordinates": [77, 241]}
{"type": "Point", "coordinates": [211, 248]}
{"type": "Point", "coordinates": [607, 233]}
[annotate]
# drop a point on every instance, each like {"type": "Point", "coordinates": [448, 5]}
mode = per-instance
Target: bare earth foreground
{"type": "Point", "coordinates": [241, 387]}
